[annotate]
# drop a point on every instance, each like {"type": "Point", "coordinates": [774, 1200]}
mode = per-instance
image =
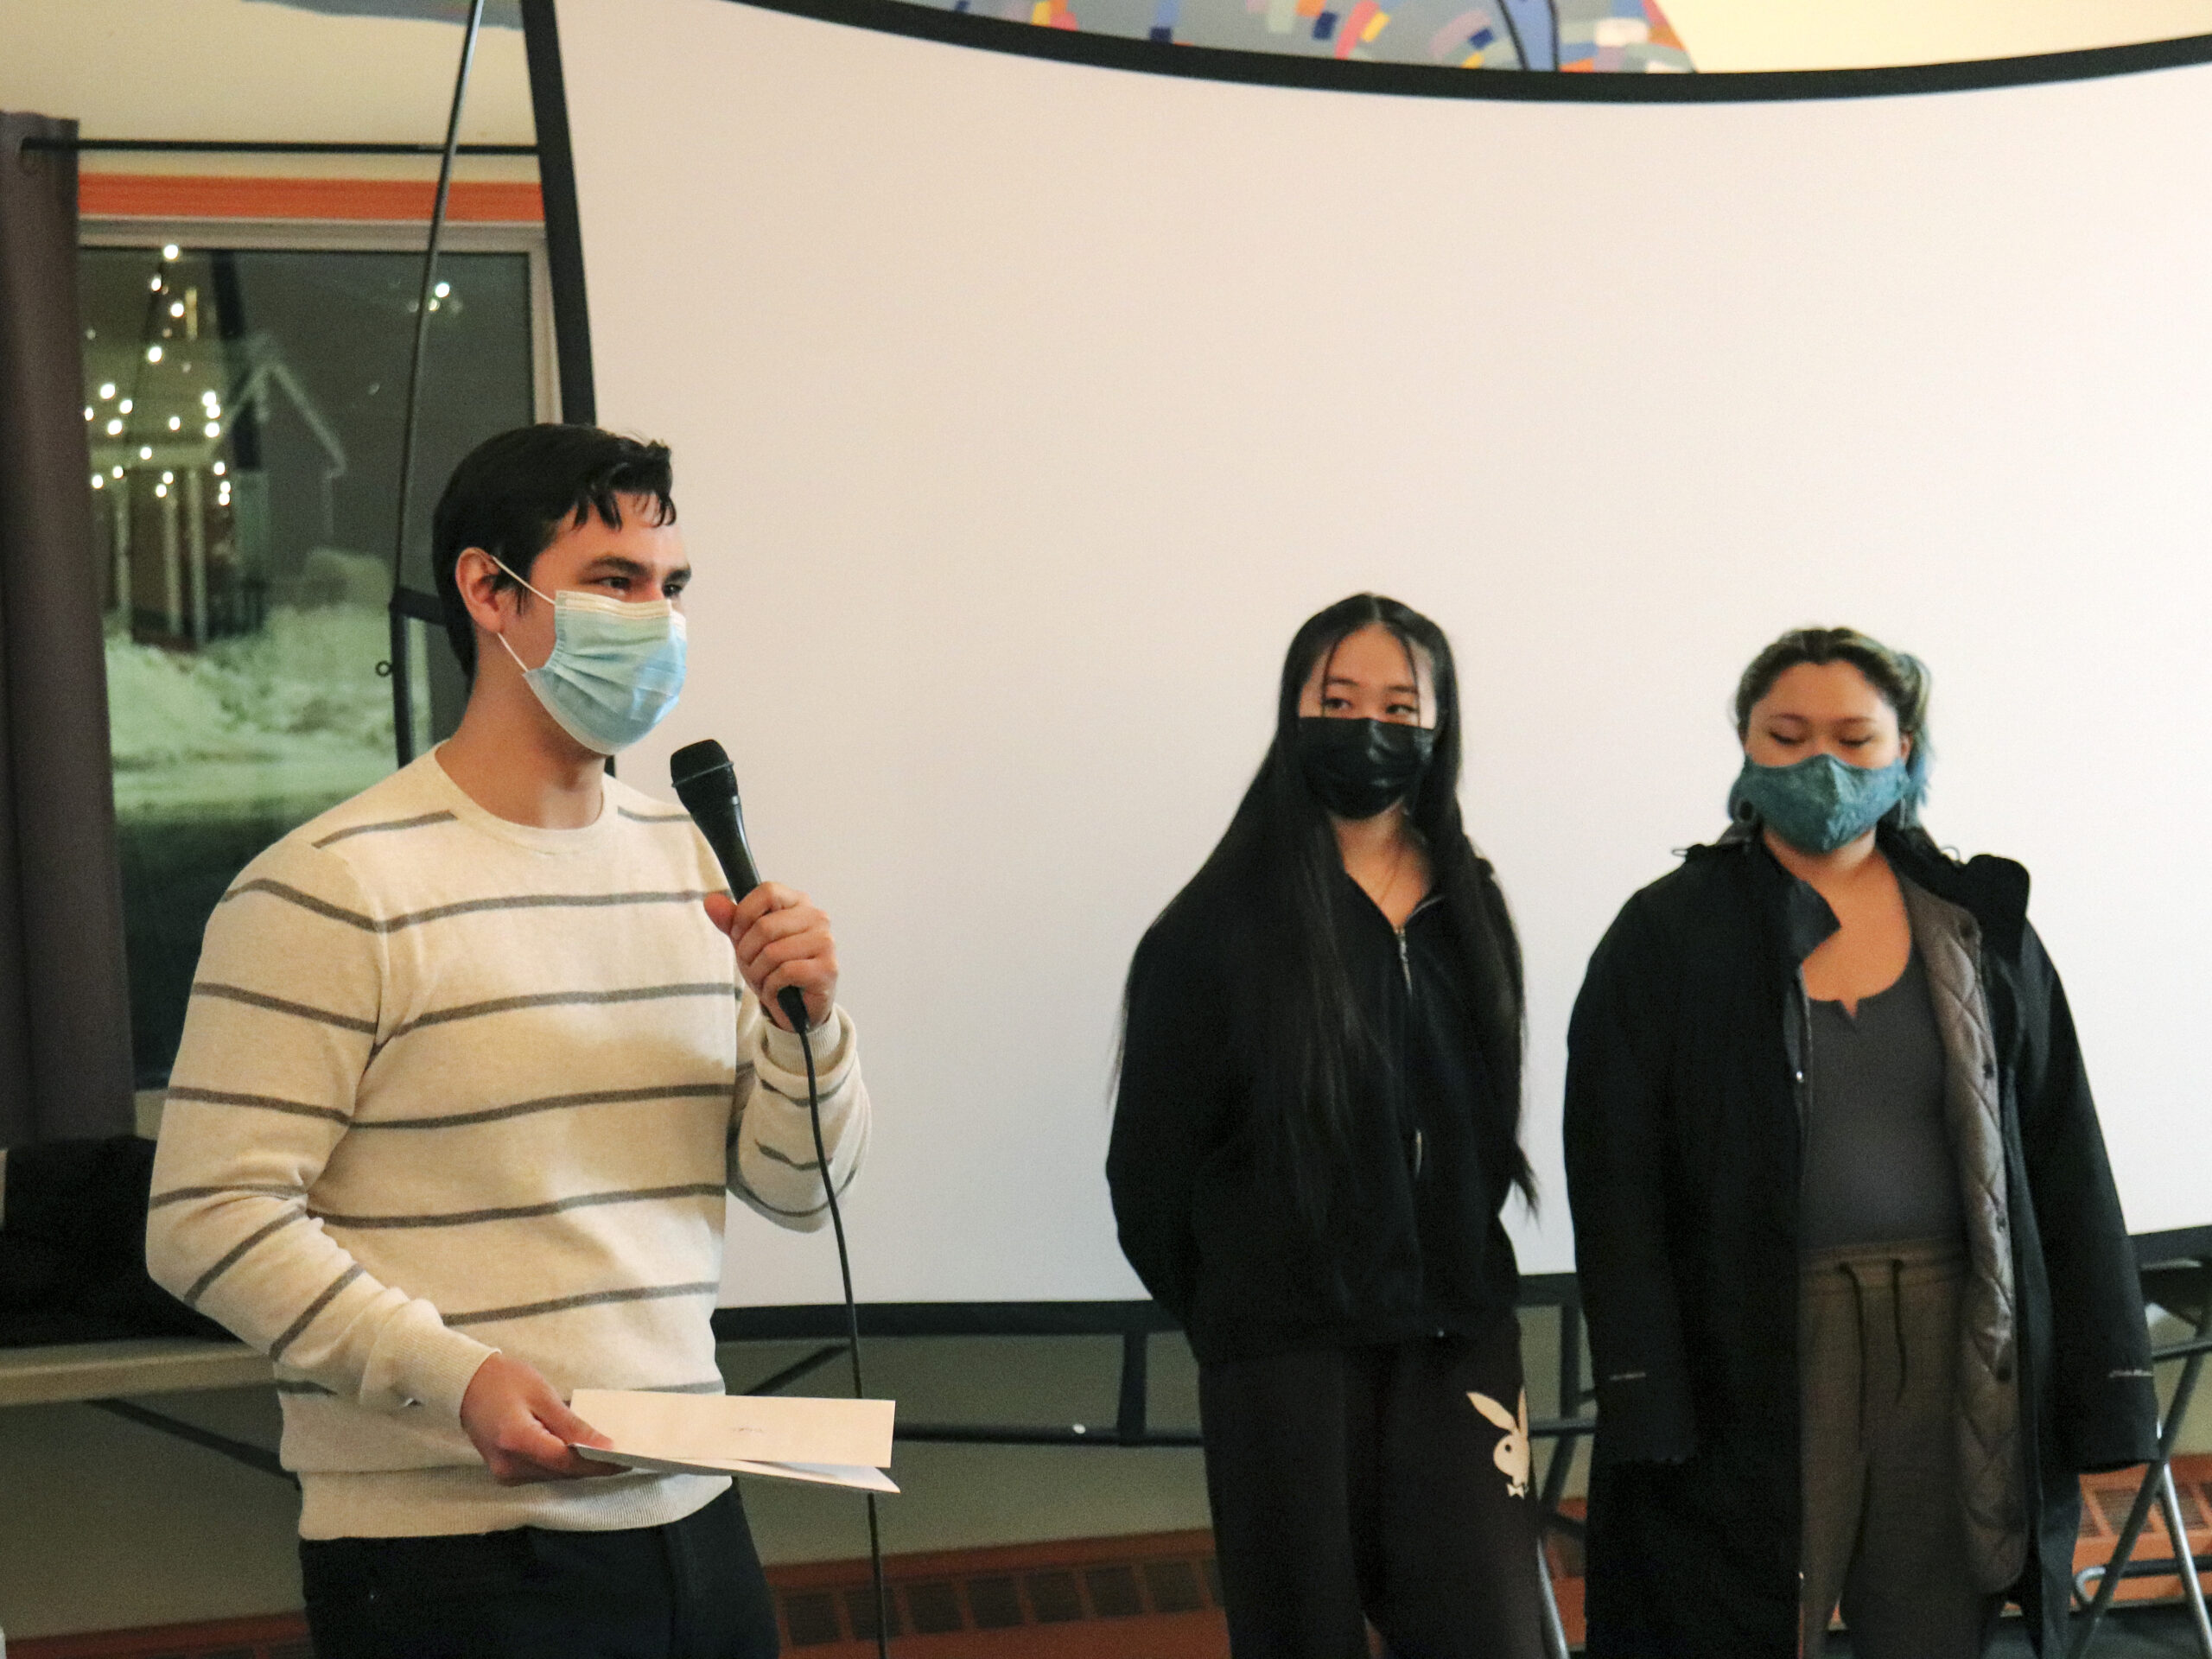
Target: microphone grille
{"type": "Point", "coordinates": [695, 761]}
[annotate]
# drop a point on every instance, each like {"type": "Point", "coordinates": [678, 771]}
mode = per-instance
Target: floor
{"type": "Point", "coordinates": [2131, 1633]}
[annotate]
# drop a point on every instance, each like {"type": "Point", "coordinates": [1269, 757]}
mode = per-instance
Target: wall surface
{"type": "Point", "coordinates": [1739, 34]}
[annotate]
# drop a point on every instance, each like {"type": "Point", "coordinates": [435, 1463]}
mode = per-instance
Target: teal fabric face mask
{"type": "Point", "coordinates": [617, 668]}
{"type": "Point", "coordinates": [1819, 803]}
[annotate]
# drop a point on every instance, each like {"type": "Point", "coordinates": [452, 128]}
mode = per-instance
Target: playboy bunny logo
{"type": "Point", "coordinates": [1512, 1453]}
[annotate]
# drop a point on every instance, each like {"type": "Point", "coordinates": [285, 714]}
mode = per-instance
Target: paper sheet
{"type": "Point", "coordinates": [827, 1442]}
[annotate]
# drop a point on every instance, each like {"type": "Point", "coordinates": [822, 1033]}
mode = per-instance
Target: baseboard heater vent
{"type": "Point", "coordinates": [1065, 1600]}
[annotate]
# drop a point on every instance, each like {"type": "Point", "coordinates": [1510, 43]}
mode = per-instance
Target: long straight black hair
{"type": "Point", "coordinates": [1273, 871]}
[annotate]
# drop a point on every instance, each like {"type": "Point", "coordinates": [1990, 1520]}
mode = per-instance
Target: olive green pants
{"type": "Point", "coordinates": [1883, 1531]}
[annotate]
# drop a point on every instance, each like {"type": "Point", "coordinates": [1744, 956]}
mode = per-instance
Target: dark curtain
{"type": "Point", "coordinates": [65, 1016]}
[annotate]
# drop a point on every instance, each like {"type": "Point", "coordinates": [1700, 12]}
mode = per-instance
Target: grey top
{"type": "Point", "coordinates": [1879, 1164]}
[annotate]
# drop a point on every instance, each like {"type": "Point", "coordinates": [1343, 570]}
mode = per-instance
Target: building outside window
{"type": "Point", "coordinates": [244, 391]}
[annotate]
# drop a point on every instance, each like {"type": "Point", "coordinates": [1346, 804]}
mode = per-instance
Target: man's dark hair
{"type": "Point", "coordinates": [513, 493]}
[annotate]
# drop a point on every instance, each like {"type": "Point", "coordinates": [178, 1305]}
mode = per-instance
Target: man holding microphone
{"type": "Point", "coordinates": [472, 1061]}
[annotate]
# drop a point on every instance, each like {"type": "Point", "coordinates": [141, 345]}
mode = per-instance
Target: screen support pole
{"type": "Point", "coordinates": [403, 688]}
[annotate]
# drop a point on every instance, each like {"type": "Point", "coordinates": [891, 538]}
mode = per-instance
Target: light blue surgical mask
{"type": "Point", "coordinates": [1818, 804]}
{"type": "Point", "coordinates": [617, 667]}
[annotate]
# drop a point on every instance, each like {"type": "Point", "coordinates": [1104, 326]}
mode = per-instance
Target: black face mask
{"type": "Point", "coordinates": [1357, 767]}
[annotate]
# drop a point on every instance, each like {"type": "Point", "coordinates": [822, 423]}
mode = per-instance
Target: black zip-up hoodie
{"type": "Point", "coordinates": [1412, 1242]}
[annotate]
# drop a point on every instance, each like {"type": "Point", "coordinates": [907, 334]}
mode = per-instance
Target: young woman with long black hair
{"type": "Point", "coordinates": [1316, 1130]}
{"type": "Point", "coordinates": [1860, 1299]}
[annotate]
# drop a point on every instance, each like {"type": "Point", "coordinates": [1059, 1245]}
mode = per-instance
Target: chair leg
{"type": "Point", "coordinates": [1554, 1631]}
{"type": "Point", "coordinates": [2184, 1559]}
{"type": "Point", "coordinates": [2124, 1546]}
{"type": "Point", "coordinates": [2123, 1551]}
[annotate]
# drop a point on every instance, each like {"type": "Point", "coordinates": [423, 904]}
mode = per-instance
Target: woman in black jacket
{"type": "Point", "coordinates": [1316, 1131]}
{"type": "Point", "coordinates": [1860, 1299]}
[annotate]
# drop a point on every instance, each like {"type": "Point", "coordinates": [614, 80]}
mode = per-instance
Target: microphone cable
{"type": "Point", "coordinates": [794, 1007]}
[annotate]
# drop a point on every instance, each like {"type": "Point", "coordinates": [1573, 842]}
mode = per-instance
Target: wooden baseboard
{"type": "Point", "coordinates": [280, 1636]}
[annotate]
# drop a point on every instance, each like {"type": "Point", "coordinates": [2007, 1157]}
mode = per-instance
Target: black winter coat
{"type": "Point", "coordinates": [1683, 1169]}
{"type": "Point", "coordinates": [1206, 1213]}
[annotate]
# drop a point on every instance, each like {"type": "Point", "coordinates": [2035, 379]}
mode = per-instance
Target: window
{"type": "Point", "coordinates": [244, 391]}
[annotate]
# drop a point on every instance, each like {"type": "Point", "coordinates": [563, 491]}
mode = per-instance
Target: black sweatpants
{"type": "Point", "coordinates": [1358, 1483]}
{"type": "Point", "coordinates": [690, 1590]}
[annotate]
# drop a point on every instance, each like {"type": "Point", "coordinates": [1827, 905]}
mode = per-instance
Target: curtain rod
{"type": "Point", "coordinates": [272, 147]}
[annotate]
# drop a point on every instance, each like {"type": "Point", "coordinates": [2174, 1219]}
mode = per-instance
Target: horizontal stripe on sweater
{"type": "Point", "coordinates": [418, 821]}
{"type": "Point", "coordinates": [564, 1000]}
{"type": "Point", "coordinates": [588, 1299]}
{"type": "Point", "coordinates": [293, 1331]}
{"type": "Point", "coordinates": [308, 901]}
{"type": "Point", "coordinates": [278, 1005]}
{"type": "Point", "coordinates": [230, 1258]}
{"type": "Point", "coordinates": [553, 1103]}
{"type": "Point", "coordinates": [258, 1102]}
{"type": "Point", "coordinates": [519, 1211]}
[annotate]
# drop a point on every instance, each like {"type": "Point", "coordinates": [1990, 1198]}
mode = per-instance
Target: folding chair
{"type": "Point", "coordinates": [2184, 1290]}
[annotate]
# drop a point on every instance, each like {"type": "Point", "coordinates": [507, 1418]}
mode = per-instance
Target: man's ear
{"type": "Point", "coordinates": [476, 574]}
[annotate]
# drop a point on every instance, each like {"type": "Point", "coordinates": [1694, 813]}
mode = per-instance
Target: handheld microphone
{"type": "Point", "coordinates": [706, 783]}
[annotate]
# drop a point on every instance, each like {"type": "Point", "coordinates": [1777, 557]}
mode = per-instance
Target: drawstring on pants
{"type": "Point", "coordinates": [1855, 1272]}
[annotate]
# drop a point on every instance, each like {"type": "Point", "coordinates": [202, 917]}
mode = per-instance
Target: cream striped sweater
{"type": "Point", "coordinates": [451, 1084]}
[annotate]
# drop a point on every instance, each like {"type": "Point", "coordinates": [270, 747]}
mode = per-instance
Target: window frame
{"type": "Point", "coordinates": [402, 236]}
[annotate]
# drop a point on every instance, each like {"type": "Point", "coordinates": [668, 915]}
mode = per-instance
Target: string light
{"type": "Point", "coordinates": [157, 283]}
{"type": "Point", "coordinates": [161, 489]}
{"type": "Point", "coordinates": [118, 472]}
{"type": "Point", "coordinates": [176, 307]}
{"type": "Point", "coordinates": [219, 471]}
{"type": "Point", "coordinates": [145, 452]}
{"type": "Point", "coordinates": [442, 290]}
{"type": "Point", "coordinates": [107, 389]}
{"type": "Point", "coordinates": [114, 428]}
{"type": "Point", "coordinates": [122, 408]}
{"type": "Point", "coordinates": [169, 478]}
{"type": "Point", "coordinates": [153, 353]}
{"type": "Point", "coordinates": [89, 411]}
{"type": "Point", "coordinates": [99, 482]}
{"type": "Point", "coordinates": [213, 428]}
{"type": "Point", "coordinates": [170, 251]}
{"type": "Point", "coordinates": [177, 423]}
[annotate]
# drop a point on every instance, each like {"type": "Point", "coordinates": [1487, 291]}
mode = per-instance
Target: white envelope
{"type": "Point", "coordinates": [829, 1442]}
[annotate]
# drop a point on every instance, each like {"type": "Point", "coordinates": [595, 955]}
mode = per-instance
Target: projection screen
{"type": "Point", "coordinates": [1022, 409]}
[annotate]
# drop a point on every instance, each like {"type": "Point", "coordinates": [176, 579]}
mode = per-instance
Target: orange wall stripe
{"type": "Point", "coordinates": [164, 195]}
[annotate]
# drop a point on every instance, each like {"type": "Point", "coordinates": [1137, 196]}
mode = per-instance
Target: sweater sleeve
{"type": "Point", "coordinates": [2106, 1408]}
{"type": "Point", "coordinates": [283, 1019]}
{"type": "Point", "coordinates": [1616, 1175]}
{"type": "Point", "coordinates": [773, 1166]}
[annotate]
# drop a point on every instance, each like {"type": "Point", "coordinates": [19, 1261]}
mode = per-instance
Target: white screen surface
{"type": "Point", "coordinates": [1022, 409]}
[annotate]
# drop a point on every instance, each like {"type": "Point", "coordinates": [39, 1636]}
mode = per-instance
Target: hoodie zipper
{"type": "Point", "coordinates": [1406, 971]}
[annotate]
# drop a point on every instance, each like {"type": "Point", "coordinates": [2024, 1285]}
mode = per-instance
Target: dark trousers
{"type": "Point", "coordinates": [1884, 1531]}
{"type": "Point", "coordinates": [1357, 1484]}
{"type": "Point", "coordinates": [690, 1590]}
